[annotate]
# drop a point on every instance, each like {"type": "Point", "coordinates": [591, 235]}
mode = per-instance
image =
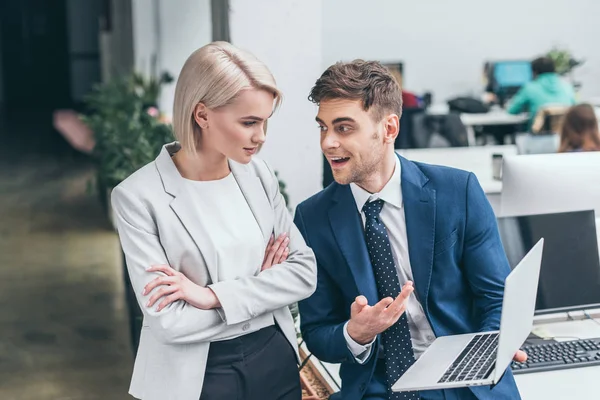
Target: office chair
{"type": "Point", "coordinates": [544, 136]}
{"type": "Point", "coordinates": [407, 137]}
{"type": "Point", "coordinates": [548, 119]}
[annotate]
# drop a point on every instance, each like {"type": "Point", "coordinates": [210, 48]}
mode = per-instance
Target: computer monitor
{"type": "Point", "coordinates": [570, 272]}
{"type": "Point", "coordinates": [512, 74]}
{"type": "Point", "coordinates": [507, 77]}
{"type": "Point", "coordinates": [549, 183]}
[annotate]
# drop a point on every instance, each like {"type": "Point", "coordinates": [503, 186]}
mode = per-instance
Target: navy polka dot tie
{"type": "Point", "coordinates": [396, 339]}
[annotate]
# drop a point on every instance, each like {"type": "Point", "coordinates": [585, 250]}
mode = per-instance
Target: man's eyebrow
{"type": "Point", "coordinates": [343, 119]}
{"type": "Point", "coordinates": [335, 121]}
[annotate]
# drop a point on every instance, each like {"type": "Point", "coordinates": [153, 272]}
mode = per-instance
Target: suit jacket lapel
{"type": "Point", "coordinates": [419, 211]}
{"type": "Point", "coordinates": [348, 230]}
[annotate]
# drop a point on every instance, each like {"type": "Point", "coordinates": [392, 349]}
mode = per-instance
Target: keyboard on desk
{"type": "Point", "coordinates": [559, 355]}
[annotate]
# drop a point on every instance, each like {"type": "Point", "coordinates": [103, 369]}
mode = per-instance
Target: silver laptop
{"type": "Point", "coordinates": [478, 359]}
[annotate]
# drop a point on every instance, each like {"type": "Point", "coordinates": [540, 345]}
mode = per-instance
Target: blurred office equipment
{"type": "Point", "coordinates": [544, 137]}
{"type": "Point", "coordinates": [569, 280]}
{"type": "Point", "coordinates": [507, 77]}
{"type": "Point", "coordinates": [528, 143]}
{"type": "Point", "coordinates": [420, 130]}
{"type": "Point", "coordinates": [546, 183]}
{"type": "Point", "coordinates": [548, 119]}
{"type": "Point", "coordinates": [413, 132]}
{"type": "Point", "coordinates": [570, 272]}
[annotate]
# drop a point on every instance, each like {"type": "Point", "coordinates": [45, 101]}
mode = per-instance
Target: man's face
{"type": "Point", "coordinates": [351, 139]}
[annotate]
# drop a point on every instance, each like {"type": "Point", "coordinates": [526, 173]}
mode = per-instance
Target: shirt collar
{"type": "Point", "coordinates": [391, 192]}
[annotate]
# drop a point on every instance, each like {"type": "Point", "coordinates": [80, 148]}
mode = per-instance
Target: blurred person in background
{"type": "Point", "coordinates": [579, 130]}
{"type": "Point", "coordinates": [409, 99]}
{"type": "Point", "coordinates": [547, 88]}
{"type": "Point", "coordinates": [213, 255]}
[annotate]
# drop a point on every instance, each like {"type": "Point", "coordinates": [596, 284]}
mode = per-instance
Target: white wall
{"type": "Point", "coordinates": [286, 35]}
{"type": "Point", "coordinates": [168, 31]}
{"type": "Point", "coordinates": [444, 44]}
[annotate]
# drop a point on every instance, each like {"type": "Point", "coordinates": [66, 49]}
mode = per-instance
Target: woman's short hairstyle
{"type": "Point", "coordinates": [214, 75]}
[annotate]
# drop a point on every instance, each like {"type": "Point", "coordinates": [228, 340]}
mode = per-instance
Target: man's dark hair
{"type": "Point", "coordinates": [542, 65]}
{"type": "Point", "coordinates": [367, 81]}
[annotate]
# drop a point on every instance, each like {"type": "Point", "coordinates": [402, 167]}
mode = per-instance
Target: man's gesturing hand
{"type": "Point", "coordinates": [367, 321]}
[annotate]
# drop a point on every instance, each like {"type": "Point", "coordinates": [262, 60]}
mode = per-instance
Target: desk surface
{"type": "Point", "coordinates": [496, 116]}
{"type": "Point", "coordinates": [476, 159]}
{"type": "Point", "coordinates": [576, 383]}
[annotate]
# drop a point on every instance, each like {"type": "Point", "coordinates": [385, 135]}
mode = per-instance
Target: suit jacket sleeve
{"type": "Point", "coordinates": [323, 315]}
{"type": "Point", "coordinates": [484, 259]}
{"type": "Point", "coordinates": [179, 322]}
{"type": "Point", "coordinates": [282, 284]}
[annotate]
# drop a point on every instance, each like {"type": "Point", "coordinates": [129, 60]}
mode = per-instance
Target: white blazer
{"type": "Point", "coordinates": [159, 223]}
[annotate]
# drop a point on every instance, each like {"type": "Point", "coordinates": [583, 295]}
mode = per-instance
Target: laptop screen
{"type": "Point", "coordinates": [570, 272]}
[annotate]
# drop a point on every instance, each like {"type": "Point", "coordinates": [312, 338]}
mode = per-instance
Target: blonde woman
{"type": "Point", "coordinates": [212, 252]}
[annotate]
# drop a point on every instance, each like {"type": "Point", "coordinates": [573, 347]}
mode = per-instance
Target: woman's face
{"type": "Point", "coordinates": [237, 129]}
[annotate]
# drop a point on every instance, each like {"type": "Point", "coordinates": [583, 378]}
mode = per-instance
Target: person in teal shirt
{"type": "Point", "coordinates": [547, 88]}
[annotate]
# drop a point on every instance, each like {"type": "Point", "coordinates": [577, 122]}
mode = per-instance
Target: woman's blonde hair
{"type": "Point", "coordinates": [214, 75]}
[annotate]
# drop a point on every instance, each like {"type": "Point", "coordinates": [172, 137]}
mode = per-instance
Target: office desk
{"type": "Point", "coordinates": [566, 384]}
{"type": "Point", "coordinates": [496, 116]}
{"type": "Point", "coordinates": [576, 383]}
{"type": "Point", "coordinates": [476, 159]}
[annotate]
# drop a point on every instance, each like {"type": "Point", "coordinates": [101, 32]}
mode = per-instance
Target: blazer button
{"type": "Point", "coordinates": [246, 327]}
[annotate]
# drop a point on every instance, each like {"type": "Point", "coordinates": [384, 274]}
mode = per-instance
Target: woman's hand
{"type": "Point", "coordinates": [277, 251]}
{"type": "Point", "coordinates": [176, 286]}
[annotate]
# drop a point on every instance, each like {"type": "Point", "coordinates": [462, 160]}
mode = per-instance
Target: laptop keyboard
{"type": "Point", "coordinates": [559, 355]}
{"type": "Point", "coordinates": [476, 360]}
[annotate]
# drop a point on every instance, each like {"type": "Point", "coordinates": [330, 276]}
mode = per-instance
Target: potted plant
{"type": "Point", "coordinates": [565, 63]}
{"type": "Point", "coordinates": [128, 129]}
{"type": "Point", "coordinates": [128, 133]}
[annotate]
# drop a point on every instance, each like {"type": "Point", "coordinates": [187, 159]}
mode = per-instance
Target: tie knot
{"type": "Point", "coordinates": [373, 208]}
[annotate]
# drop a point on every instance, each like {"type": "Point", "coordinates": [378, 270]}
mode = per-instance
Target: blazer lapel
{"type": "Point", "coordinates": [190, 217]}
{"type": "Point", "coordinates": [419, 211]}
{"type": "Point", "coordinates": [348, 230]}
{"type": "Point", "coordinates": [184, 206]}
{"type": "Point", "coordinates": [256, 197]}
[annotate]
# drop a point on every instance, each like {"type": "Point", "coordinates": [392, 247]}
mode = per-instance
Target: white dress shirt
{"type": "Point", "coordinates": [392, 216]}
{"type": "Point", "coordinates": [238, 241]}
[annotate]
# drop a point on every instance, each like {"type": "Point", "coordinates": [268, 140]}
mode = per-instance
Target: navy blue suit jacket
{"type": "Point", "coordinates": [457, 259]}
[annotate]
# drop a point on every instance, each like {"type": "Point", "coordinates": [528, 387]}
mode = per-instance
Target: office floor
{"type": "Point", "coordinates": [63, 322]}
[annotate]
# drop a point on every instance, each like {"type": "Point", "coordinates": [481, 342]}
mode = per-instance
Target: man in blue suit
{"type": "Point", "coordinates": [406, 251]}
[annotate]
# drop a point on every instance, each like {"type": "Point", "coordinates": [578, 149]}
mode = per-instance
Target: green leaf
{"type": "Point", "coordinates": [127, 136]}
